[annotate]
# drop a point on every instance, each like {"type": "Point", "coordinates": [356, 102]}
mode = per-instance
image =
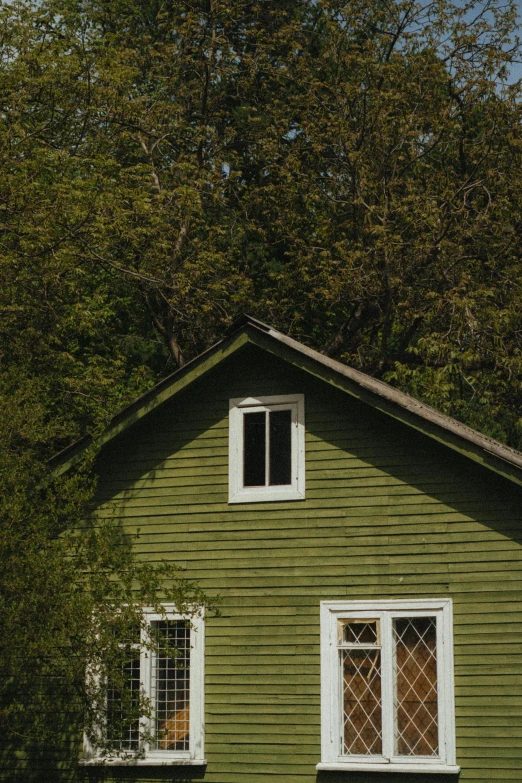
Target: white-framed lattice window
{"type": "Point", "coordinates": [165, 663]}
{"type": "Point", "coordinates": [266, 449]}
{"type": "Point", "coordinates": [387, 686]}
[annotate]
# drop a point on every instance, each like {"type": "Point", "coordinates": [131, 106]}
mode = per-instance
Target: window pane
{"type": "Point", "coordinates": [254, 459]}
{"type": "Point", "coordinates": [280, 447]}
{"type": "Point", "coordinates": [171, 683]}
{"type": "Point", "coordinates": [359, 631]}
{"type": "Point", "coordinates": [362, 718]}
{"type": "Point", "coordinates": [416, 686]}
{"type": "Point", "coordinates": [123, 732]}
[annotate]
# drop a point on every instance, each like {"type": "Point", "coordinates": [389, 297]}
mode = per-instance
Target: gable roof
{"type": "Point", "coordinates": [247, 330]}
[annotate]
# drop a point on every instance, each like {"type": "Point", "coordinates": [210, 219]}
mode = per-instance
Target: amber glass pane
{"type": "Point", "coordinates": [416, 686]}
{"type": "Point", "coordinates": [280, 447]}
{"type": "Point", "coordinates": [362, 702]}
{"type": "Point", "coordinates": [254, 461]}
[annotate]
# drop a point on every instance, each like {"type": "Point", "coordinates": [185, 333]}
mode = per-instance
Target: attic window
{"type": "Point", "coordinates": [266, 449]}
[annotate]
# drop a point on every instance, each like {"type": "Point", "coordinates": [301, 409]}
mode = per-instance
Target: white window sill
{"type": "Point", "coordinates": [150, 761]}
{"type": "Point", "coordinates": [265, 495]}
{"type": "Point", "coordinates": [350, 766]}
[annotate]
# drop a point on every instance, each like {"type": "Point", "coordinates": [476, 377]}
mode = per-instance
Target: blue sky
{"type": "Point", "coordinates": [516, 72]}
{"type": "Point", "coordinates": [516, 69]}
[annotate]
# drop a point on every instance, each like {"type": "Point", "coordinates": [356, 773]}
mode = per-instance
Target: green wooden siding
{"type": "Point", "coordinates": [388, 513]}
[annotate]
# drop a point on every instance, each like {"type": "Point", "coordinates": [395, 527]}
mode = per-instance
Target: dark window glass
{"type": "Point", "coordinates": [280, 447]}
{"type": "Point", "coordinates": [360, 631]}
{"type": "Point", "coordinates": [254, 461]}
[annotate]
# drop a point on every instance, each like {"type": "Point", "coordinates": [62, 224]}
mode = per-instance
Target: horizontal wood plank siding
{"type": "Point", "coordinates": [388, 513]}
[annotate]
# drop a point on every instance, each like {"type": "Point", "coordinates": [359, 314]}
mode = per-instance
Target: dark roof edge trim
{"type": "Point", "coordinates": [406, 402]}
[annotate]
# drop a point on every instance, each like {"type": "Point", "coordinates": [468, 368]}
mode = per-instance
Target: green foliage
{"type": "Point", "coordinates": [348, 171]}
{"type": "Point", "coordinates": [65, 587]}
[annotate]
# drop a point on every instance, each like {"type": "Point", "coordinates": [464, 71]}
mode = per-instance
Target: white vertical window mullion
{"type": "Point", "coordinates": [336, 741]}
{"type": "Point", "coordinates": [447, 707]}
{"type": "Point", "coordinates": [239, 447]}
{"type": "Point", "coordinates": [267, 448]}
{"type": "Point", "coordinates": [194, 687]}
{"type": "Point", "coordinates": [395, 695]}
{"type": "Point", "coordinates": [294, 446]}
{"type": "Point", "coordinates": [441, 679]}
{"type": "Point", "coordinates": [388, 699]}
{"type": "Point", "coordinates": [146, 680]}
{"type": "Point", "coordinates": [330, 715]}
{"type": "Point", "coordinates": [340, 699]}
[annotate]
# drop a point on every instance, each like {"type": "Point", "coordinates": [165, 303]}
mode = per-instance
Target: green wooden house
{"type": "Point", "coordinates": [368, 552]}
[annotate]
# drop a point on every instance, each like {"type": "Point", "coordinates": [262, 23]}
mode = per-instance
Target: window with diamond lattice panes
{"type": "Point", "coordinates": [387, 686]}
{"type": "Point", "coordinates": [416, 699]}
{"type": "Point", "coordinates": [361, 678]}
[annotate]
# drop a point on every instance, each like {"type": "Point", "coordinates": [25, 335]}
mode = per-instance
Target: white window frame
{"type": "Point", "coordinates": [331, 686]}
{"type": "Point", "coordinates": [149, 756]}
{"type": "Point", "coordinates": [237, 408]}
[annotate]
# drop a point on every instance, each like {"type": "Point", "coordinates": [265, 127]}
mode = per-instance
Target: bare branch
{"type": "Point", "coordinates": [153, 172]}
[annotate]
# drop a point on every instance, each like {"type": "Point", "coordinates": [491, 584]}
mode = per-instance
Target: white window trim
{"type": "Point", "coordinates": [331, 758]}
{"type": "Point", "coordinates": [294, 491]}
{"type": "Point", "coordinates": [152, 757]}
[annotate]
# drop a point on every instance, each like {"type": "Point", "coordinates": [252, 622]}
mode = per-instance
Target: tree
{"type": "Point", "coordinates": [349, 173]}
{"type": "Point", "coordinates": [346, 172]}
{"type": "Point", "coordinates": [405, 223]}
